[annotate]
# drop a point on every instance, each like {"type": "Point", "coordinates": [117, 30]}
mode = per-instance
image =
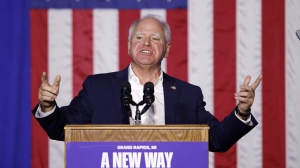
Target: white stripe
{"type": "Point", "coordinates": [162, 13]}
{"type": "Point", "coordinates": [60, 63]}
{"type": "Point", "coordinates": [292, 81]}
{"type": "Point", "coordinates": [249, 148]}
{"type": "Point", "coordinates": [105, 40]}
{"type": "Point", "coordinates": [200, 47]}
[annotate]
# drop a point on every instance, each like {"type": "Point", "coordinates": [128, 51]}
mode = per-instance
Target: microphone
{"type": "Point", "coordinates": [126, 97]}
{"type": "Point", "coordinates": [298, 33]}
{"type": "Point", "coordinates": [148, 97]}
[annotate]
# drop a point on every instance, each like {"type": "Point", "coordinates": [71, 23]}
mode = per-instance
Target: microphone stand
{"type": "Point", "coordinates": [127, 107]}
{"type": "Point", "coordinates": [137, 119]}
{"type": "Point", "coordinates": [138, 114]}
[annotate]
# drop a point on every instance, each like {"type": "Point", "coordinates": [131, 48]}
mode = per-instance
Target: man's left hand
{"type": "Point", "coordinates": [247, 94]}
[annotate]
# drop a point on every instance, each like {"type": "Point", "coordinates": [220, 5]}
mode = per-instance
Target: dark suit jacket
{"type": "Point", "coordinates": [99, 103]}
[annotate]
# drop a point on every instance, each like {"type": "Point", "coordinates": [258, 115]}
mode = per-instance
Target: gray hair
{"type": "Point", "coordinates": [156, 17]}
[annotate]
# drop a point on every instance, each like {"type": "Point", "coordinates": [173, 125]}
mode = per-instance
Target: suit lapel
{"type": "Point", "coordinates": [121, 76]}
{"type": "Point", "coordinates": [171, 96]}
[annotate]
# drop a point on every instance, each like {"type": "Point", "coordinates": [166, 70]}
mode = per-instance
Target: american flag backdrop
{"type": "Point", "coordinates": [215, 44]}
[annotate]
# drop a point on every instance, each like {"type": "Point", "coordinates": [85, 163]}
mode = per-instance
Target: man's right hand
{"type": "Point", "coordinates": [48, 93]}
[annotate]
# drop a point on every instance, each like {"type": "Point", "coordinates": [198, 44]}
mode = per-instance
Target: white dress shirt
{"type": "Point", "coordinates": [155, 115]}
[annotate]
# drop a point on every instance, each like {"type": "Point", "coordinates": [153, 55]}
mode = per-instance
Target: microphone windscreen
{"type": "Point", "coordinates": [126, 97]}
{"type": "Point", "coordinates": [148, 93]}
{"type": "Point", "coordinates": [149, 87]}
{"type": "Point", "coordinates": [126, 85]}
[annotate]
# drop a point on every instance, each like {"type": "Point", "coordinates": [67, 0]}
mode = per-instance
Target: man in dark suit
{"type": "Point", "coordinates": [177, 102]}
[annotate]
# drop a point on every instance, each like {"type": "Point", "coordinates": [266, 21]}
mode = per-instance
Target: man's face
{"type": "Point", "coordinates": [147, 46]}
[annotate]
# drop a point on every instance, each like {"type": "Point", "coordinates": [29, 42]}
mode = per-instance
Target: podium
{"type": "Point", "coordinates": [143, 146]}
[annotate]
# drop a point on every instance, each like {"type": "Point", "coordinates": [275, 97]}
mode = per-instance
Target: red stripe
{"type": "Point", "coordinates": [177, 60]}
{"type": "Point", "coordinates": [39, 63]}
{"type": "Point", "coordinates": [273, 85]}
{"type": "Point", "coordinates": [224, 69]}
{"type": "Point", "coordinates": [82, 47]}
{"type": "Point", "coordinates": [126, 17]}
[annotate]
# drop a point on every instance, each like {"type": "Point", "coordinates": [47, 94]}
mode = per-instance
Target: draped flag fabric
{"type": "Point", "coordinates": [215, 45]}
{"type": "Point", "coordinates": [15, 122]}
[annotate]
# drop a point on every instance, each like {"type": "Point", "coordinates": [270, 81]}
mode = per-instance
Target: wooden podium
{"type": "Point", "coordinates": [136, 146]}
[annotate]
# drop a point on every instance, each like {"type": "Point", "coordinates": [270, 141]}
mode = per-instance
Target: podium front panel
{"type": "Point", "coordinates": [122, 146]}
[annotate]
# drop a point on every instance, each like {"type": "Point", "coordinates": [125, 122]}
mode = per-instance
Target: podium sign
{"type": "Point", "coordinates": [137, 154]}
{"type": "Point", "coordinates": [127, 146]}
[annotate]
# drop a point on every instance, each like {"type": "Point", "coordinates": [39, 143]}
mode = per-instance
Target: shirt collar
{"type": "Point", "coordinates": [133, 77]}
